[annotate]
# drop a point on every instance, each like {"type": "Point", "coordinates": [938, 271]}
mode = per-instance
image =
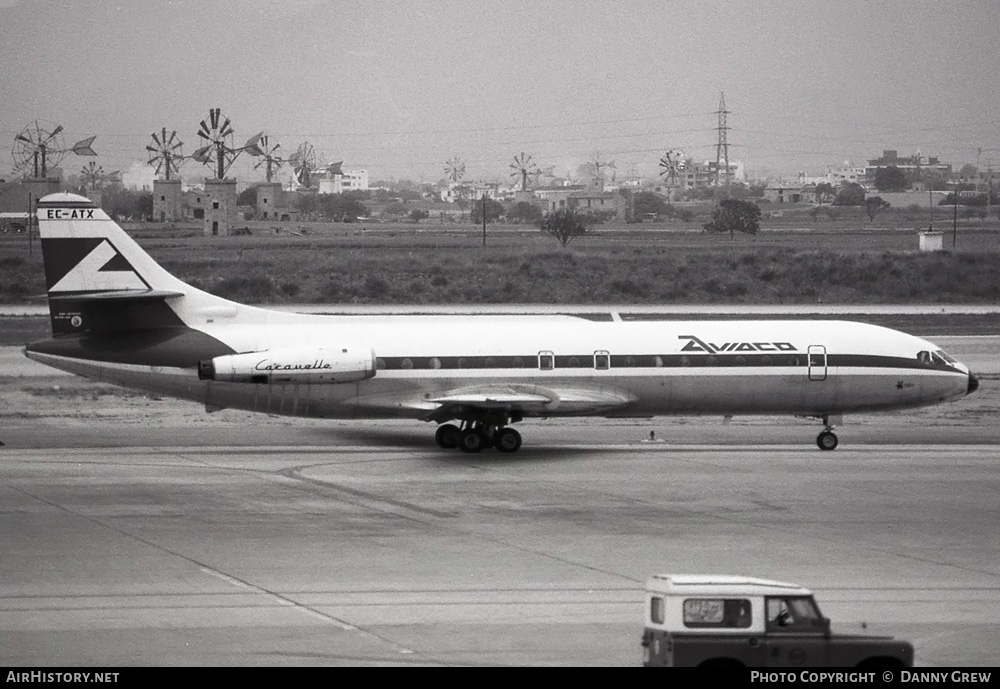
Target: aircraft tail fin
{"type": "Point", "coordinates": [98, 278]}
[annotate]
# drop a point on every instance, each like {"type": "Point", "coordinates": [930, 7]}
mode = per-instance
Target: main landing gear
{"type": "Point", "coordinates": [474, 436]}
{"type": "Point", "coordinates": [827, 439]}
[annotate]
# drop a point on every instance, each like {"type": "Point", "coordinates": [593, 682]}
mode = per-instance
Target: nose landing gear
{"type": "Point", "coordinates": [827, 439]}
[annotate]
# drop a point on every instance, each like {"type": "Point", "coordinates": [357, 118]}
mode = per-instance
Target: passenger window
{"type": "Point", "coordinates": [602, 361]}
{"type": "Point", "coordinates": [732, 613]}
{"type": "Point", "coordinates": [656, 610]}
{"type": "Point", "coordinates": [546, 361]}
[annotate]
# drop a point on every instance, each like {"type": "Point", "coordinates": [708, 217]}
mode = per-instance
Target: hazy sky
{"type": "Point", "coordinates": [398, 88]}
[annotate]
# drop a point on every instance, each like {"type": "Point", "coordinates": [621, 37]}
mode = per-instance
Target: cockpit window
{"type": "Point", "coordinates": [924, 357]}
{"type": "Point", "coordinates": [943, 357]}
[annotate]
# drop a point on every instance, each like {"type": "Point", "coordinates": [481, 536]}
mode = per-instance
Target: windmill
{"type": "Point", "coordinates": [218, 151]}
{"type": "Point", "coordinates": [594, 170]}
{"type": "Point", "coordinates": [268, 157]}
{"type": "Point", "coordinates": [671, 163]}
{"type": "Point", "coordinates": [600, 165]}
{"type": "Point", "coordinates": [166, 152]}
{"type": "Point", "coordinates": [94, 176]}
{"type": "Point", "coordinates": [40, 145]}
{"type": "Point", "coordinates": [522, 167]}
{"type": "Point", "coordinates": [304, 163]}
{"type": "Point", "coordinates": [455, 169]}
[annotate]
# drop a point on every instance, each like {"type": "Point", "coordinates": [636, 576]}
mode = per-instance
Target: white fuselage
{"type": "Point", "coordinates": [573, 365]}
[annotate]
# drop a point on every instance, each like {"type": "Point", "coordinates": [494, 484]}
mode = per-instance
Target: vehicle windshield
{"type": "Point", "coordinates": [793, 613]}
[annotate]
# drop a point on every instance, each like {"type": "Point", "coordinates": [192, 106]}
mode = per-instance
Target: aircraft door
{"type": "Point", "coordinates": [817, 362]}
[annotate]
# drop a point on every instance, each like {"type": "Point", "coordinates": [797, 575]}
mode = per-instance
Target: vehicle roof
{"type": "Point", "coordinates": [721, 585]}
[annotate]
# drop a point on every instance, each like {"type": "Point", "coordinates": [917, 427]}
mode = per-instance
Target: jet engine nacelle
{"type": "Point", "coordinates": [319, 365]}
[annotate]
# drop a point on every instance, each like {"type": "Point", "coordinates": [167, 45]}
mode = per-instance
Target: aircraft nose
{"type": "Point", "coordinates": [973, 384]}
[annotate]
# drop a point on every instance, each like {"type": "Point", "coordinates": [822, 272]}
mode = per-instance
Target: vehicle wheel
{"type": "Point", "coordinates": [827, 440]}
{"type": "Point", "coordinates": [471, 440]}
{"type": "Point", "coordinates": [721, 663]}
{"type": "Point", "coordinates": [507, 440]}
{"type": "Point", "coordinates": [447, 436]}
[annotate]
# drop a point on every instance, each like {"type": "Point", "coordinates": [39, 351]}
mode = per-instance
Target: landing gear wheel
{"type": "Point", "coordinates": [827, 440]}
{"type": "Point", "coordinates": [471, 440]}
{"type": "Point", "coordinates": [447, 436]}
{"type": "Point", "coordinates": [507, 440]}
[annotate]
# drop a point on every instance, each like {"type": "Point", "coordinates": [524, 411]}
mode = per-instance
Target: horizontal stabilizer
{"type": "Point", "coordinates": [119, 295]}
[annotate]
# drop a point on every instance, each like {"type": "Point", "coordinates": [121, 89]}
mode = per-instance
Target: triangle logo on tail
{"type": "Point", "coordinates": [103, 269]}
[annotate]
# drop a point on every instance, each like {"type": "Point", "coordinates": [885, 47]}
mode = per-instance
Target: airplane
{"type": "Point", "coordinates": [117, 316]}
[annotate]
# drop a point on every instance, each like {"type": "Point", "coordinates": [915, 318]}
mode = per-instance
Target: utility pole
{"type": "Point", "coordinates": [28, 223]}
{"type": "Point", "coordinates": [930, 206]}
{"type": "Point", "coordinates": [484, 218]}
{"type": "Point", "coordinates": [954, 225]}
{"type": "Point", "coordinates": [721, 148]}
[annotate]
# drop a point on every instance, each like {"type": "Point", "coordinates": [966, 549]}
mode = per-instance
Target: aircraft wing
{"type": "Point", "coordinates": [534, 399]}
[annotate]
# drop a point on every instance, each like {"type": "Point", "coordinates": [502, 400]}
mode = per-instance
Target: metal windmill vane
{"type": "Point", "coordinates": [269, 157]}
{"type": "Point", "coordinates": [41, 145]}
{"type": "Point", "coordinates": [304, 163]}
{"type": "Point", "coordinates": [522, 167]}
{"type": "Point", "coordinates": [216, 133]}
{"type": "Point", "coordinates": [166, 152]}
{"type": "Point", "coordinates": [671, 163]}
{"type": "Point", "coordinates": [455, 169]}
{"type": "Point", "coordinates": [94, 176]}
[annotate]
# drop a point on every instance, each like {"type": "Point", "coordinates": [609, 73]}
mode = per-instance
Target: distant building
{"type": "Point", "coordinates": [846, 175]}
{"type": "Point", "coordinates": [470, 191]}
{"type": "Point", "coordinates": [697, 175]}
{"type": "Point", "coordinates": [789, 193]}
{"type": "Point", "coordinates": [583, 199]}
{"type": "Point", "coordinates": [351, 180]}
{"type": "Point", "coordinates": [913, 166]}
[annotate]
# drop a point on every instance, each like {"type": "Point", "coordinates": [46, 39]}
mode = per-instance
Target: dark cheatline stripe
{"type": "Point", "coordinates": [619, 361]}
{"type": "Point", "coordinates": [66, 204]}
{"type": "Point", "coordinates": [175, 347]}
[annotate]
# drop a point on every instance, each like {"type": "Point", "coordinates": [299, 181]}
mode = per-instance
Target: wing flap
{"type": "Point", "coordinates": [535, 399]}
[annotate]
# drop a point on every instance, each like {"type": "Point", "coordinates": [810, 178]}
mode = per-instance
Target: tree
{"type": "Point", "coordinates": [824, 191]}
{"type": "Point", "coordinates": [564, 225]}
{"type": "Point", "coordinates": [345, 207]}
{"type": "Point", "coordinates": [416, 215]}
{"type": "Point", "coordinates": [890, 179]}
{"type": "Point", "coordinates": [873, 205]}
{"type": "Point", "coordinates": [649, 203]}
{"type": "Point", "coordinates": [247, 197]}
{"type": "Point", "coordinates": [396, 208]}
{"type": "Point", "coordinates": [123, 203]}
{"type": "Point", "coordinates": [494, 210]}
{"type": "Point", "coordinates": [852, 194]}
{"type": "Point", "coordinates": [735, 215]}
{"type": "Point", "coordinates": [524, 212]}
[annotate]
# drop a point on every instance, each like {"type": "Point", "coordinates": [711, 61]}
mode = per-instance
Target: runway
{"type": "Point", "coordinates": [152, 550]}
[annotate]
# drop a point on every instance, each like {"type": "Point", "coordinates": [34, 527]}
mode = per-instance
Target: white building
{"type": "Point", "coordinates": [350, 180]}
{"type": "Point", "coordinates": [846, 174]}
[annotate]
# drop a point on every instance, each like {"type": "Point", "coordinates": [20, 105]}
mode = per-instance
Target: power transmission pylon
{"type": "Point", "coordinates": [722, 149]}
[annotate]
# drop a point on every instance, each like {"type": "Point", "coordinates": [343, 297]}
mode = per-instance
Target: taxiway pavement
{"type": "Point", "coordinates": [152, 550]}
